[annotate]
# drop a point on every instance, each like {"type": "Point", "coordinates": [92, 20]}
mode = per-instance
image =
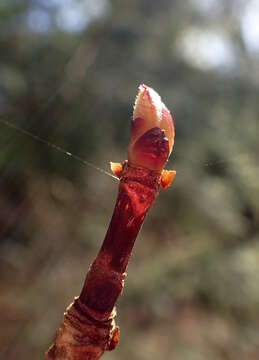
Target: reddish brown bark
{"type": "Point", "coordinates": [88, 328]}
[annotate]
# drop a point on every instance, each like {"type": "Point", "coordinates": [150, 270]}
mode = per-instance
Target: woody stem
{"type": "Point", "coordinates": [89, 327]}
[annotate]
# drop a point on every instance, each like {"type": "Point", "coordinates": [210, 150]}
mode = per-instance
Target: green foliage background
{"type": "Point", "coordinates": [69, 72]}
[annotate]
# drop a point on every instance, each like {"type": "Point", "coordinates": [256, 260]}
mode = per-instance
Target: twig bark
{"type": "Point", "coordinates": [89, 328]}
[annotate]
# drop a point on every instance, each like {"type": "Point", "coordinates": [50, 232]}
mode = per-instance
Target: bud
{"type": "Point", "coordinates": [152, 131]}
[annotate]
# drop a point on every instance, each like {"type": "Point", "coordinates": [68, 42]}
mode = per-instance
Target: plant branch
{"type": "Point", "coordinates": [89, 328]}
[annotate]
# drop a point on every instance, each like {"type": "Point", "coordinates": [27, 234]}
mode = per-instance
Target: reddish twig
{"type": "Point", "coordinates": [88, 328]}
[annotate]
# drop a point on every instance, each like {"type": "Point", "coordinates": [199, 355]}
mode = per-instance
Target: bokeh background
{"type": "Point", "coordinates": [69, 72]}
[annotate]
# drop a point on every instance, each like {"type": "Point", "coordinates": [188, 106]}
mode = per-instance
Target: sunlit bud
{"type": "Point", "coordinates": [152, 131]}
{"type": "Point", "coordinates": [116, 168]}
{"type": "Point", "coordinates": [167, 178]}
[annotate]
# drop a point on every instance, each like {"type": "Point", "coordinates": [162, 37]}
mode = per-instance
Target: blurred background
{"type": "Point", "coordinates": [69, 72]}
